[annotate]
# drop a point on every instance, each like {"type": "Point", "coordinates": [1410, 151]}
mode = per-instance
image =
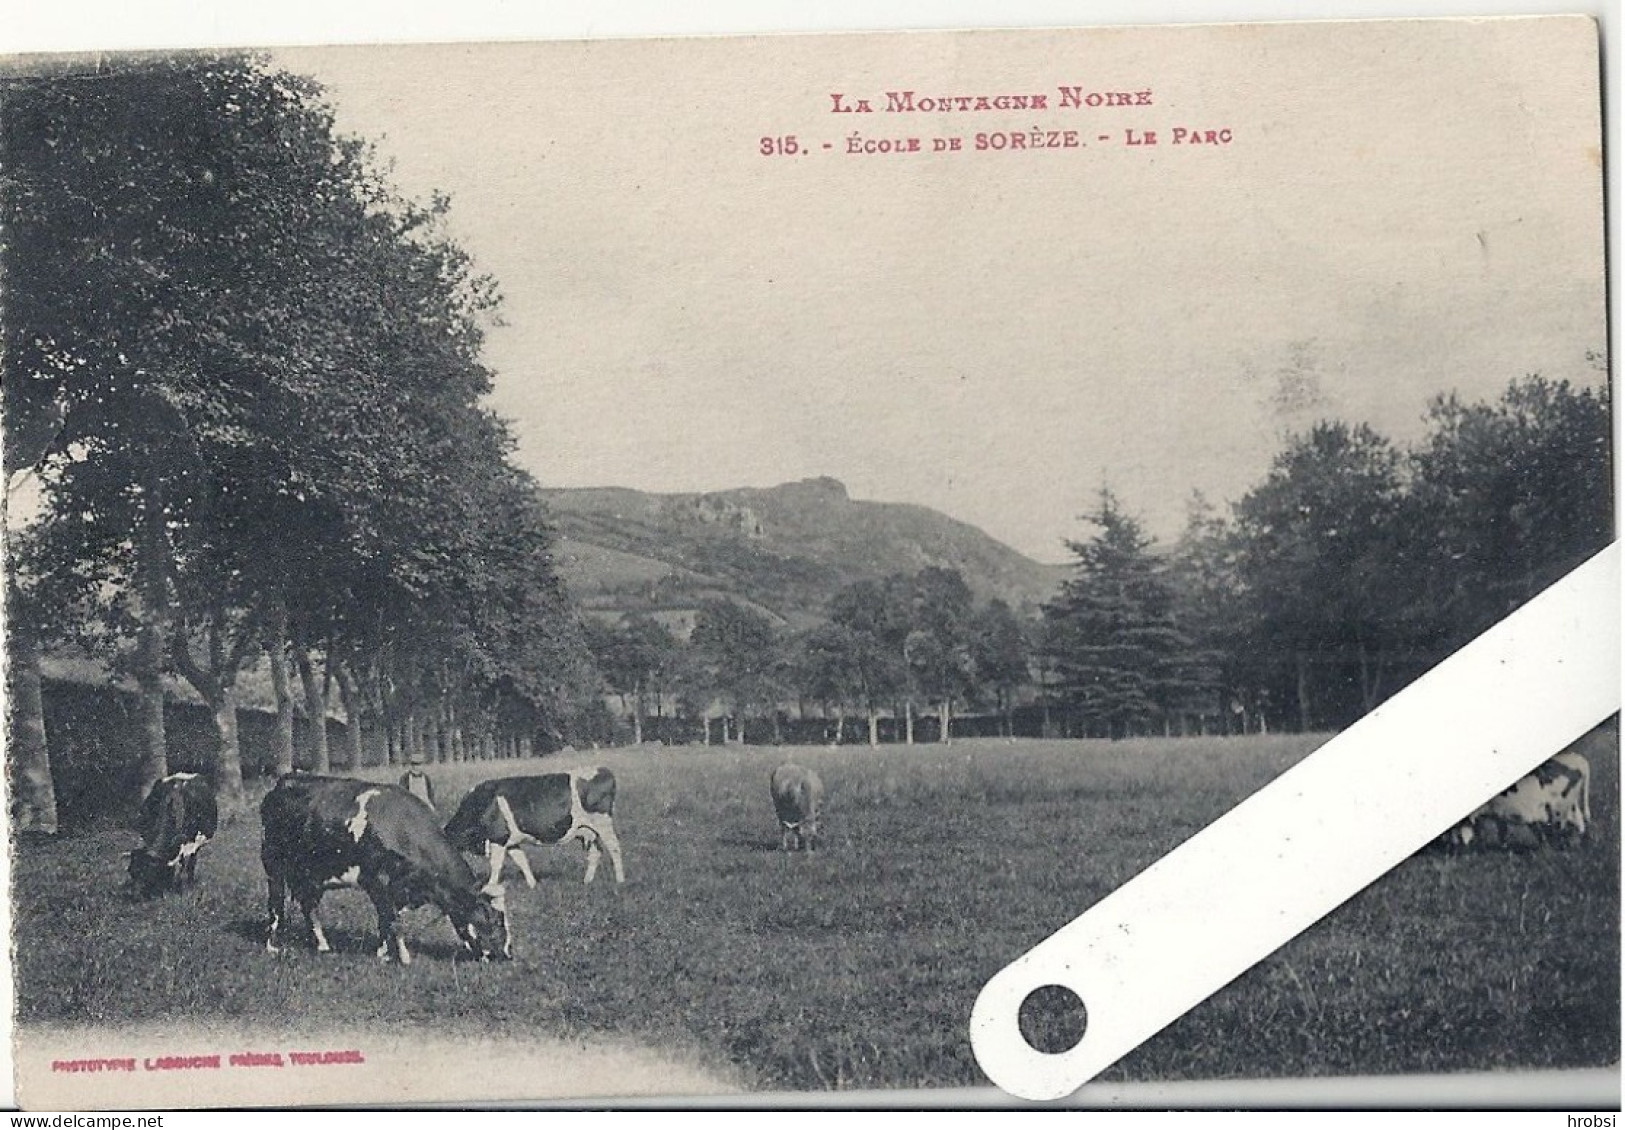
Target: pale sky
{"type": "Point", "coordinates": [1402, 210]}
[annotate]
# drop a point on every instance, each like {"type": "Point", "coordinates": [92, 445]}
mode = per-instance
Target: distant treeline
{"type": "Point", "coordinates": [1350, 570]}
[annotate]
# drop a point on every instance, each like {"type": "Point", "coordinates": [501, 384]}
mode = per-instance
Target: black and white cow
{"type": "Point", "coordinates": [504, 814]}
{"type": "Point", "coordinates": [178, 816]}
{"type": "Point", "coordinates": [323, 833]}
{"type": "Point", "coordinates": [1550, 806]}
{"type": "Point", "coordinates": [798, 799]}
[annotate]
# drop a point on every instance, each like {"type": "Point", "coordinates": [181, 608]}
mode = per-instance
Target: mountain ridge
{"type": "Point", "coordinates": [783, 549]}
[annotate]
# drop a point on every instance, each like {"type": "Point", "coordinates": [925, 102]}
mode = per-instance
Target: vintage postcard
{"type": "Point", "coordinates": [655, 568]}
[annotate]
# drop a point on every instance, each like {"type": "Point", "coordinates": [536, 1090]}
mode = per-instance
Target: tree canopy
{"type": "Point", "coordinates": [264, 367]}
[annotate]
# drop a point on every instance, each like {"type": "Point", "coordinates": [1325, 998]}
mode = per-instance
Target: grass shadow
{"type": "Point", "coordinates": [248, 929]}
{"type": "Point", "coordinates": [749, 843]}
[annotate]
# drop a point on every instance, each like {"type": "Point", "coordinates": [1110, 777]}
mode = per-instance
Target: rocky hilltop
{"type": "Point", "coordinates": [784, 549]}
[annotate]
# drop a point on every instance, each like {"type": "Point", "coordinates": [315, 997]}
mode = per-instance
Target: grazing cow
{"type": "Point", "coordinates": [322, 833]}
{"type": "Point", "coordinates": [504, 814]}
{"type": "Point", "coordinates": [1550, 805]}
{"type": "Point", "coordinates": [177, 818]}
{"type": "Point", "coordinates": [798, 796]}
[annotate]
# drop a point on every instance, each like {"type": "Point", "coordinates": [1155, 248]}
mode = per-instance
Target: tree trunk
{"type": "Point", "coordinates": [707, 729]}
{"type": "Point", "coordinates": [149, 677]}
{"type": "Point", "coordinates": [33, 795]}
{"type": "Point", "coordinates": [276, 649]}
{"type": "Point", "coordinates": [315, 711]}
{"type": "Point", "coordinates": [874, 729]}
{"type": "Point", "coordinates": [217, 685]}
{"type": "Point", "coordinates": [945, 715]}
{"type": "Point", "coordinates": [228, 761]}
{"type": "Point", "coordinates": [153, 567]}
{"type": "Point", "coordinates": [908, 710]}
{"type": "Point", "coordinates": [350, 699]}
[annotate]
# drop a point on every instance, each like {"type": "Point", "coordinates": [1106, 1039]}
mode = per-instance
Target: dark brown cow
{"type": "Point", "coordinates": [178, 816]}
{"type": "Point", "coordinates": [322, 833]}
{"type": "Point", "coordinates": [504, 814]}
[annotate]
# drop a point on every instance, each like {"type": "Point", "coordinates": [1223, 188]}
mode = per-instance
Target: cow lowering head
{"type": "Point", "coordinates": [482, 926]}
{"type": "Point", "coordinates": [798, 799]}
{"type": "Point", "coordinates": [177, 817]}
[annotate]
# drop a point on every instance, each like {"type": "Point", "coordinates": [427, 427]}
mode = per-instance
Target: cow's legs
{"type": "Point", "coordinates": [612, 844]}
{"type": "Point", "coordinates": [517, 854]}
{"type": "Point", "coordinates": [389, 937]}
{"type": "Point", "coordinates": [590, 841]}
{"type": "Point", "coordinates": [497, 854]}
{"type": "Point", "coordinates": [191, 864]}
{"type": "Point", "coordinates": [596, 836]}
{"type": "Point", "coordinates": [307, 903]}
{"type": "Point", "coordinates": [276, 903]}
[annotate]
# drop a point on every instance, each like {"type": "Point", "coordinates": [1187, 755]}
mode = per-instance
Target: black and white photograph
{"type": "Point", "coordinates": [654, 568]}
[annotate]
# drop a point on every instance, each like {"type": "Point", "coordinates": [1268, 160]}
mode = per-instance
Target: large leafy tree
{"type": "Point", "coordinates": [937, 648]}
{"type": "Point", "coordinates": [821, 670]}
{"type": "Point", "coordinates": [637, 658]}
{"type": "Point", "coordinates": [873, 622]}
{"type": "Point", "coordinates": [152, 210]}
{"type": "Point", "coordinates": [735, 655]}
{"type": "Point", "coordinates": [1000, 655]}
{"type": "Point", "coordinates": [1119, 659]}
{"type": "Point", "coordinates": [267, 367]}
{"type": "Point", "coordinates": [1514, 493]}
{"type": "Point", "coordinates": [1209, 609]}
{"type": "Point", "coordinates": [1324, 566]}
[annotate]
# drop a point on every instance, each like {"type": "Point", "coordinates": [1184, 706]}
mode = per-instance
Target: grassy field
{"type": "Point", "coordinates": [857, 966]}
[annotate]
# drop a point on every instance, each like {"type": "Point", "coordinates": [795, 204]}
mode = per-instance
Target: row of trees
{"type": "Point", "coordinates": [899, 646]}
{"type": "Point", "coordinates": [1349, 571]}
{"type": "Point", "coordinates": [245, 375]}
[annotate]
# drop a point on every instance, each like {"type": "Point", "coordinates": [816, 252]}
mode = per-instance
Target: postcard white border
{"type": "Point", "coordinates": [84, 25]}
